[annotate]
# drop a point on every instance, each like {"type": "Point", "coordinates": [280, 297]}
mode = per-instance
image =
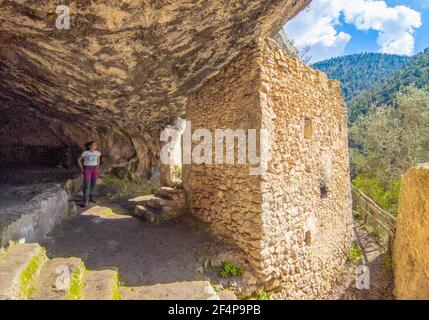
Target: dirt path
{"type": "Point", "coordinates": [142, 253]}
{"type": "Point", "coordinates": [381, 279]}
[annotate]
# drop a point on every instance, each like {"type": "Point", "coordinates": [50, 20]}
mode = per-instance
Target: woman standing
{"type": "Point", "coordinates": [89, 169]}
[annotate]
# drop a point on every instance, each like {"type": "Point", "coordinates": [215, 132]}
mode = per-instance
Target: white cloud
{"type": "Point", "coordinates": [315, 26]}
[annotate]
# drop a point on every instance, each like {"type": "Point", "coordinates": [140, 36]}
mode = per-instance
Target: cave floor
{"type": "Point", "coordinates": [105, 237]}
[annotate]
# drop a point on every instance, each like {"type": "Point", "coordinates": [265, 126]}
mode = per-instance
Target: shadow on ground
{"type": "Point", "coordinates": [142, 253]}
{"type": "Point", "coordinates": [381, 277]}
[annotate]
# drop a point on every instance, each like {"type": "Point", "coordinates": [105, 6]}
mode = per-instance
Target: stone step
{"type": "Point", "coordinates": [174, 197]}
{"type": "Point", "coordinates": [155, 203]}
{"type": "Point", "coordinates": [146, 214]}
{"type": "Point", "coordinates": [19, 267]}
{"type": "Point", "coordinates": [100, 285]}
{"type": "Point", "coordinates": [139, 199]}
{"type": "Point", "coordinates": [150, 201]}
{"type": "Point", "coordinates": [59, 279]}
{"type": "Point", "coordinates": [167, 192]}
{"type": "Point", "coordinates": [185, 290]}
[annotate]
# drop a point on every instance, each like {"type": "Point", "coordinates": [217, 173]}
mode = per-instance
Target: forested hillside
{"type": "Point", "coordinates": [360, 72]}
{"type": "Point", "coordinates": [388, 105]}
{"type": "Point", "coordinates": [415, 73]}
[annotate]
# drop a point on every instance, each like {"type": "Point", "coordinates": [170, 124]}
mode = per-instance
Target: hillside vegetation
{"type": "Point", "coordinates": [388, 105]}
{"type": "Point", "coordinates": [386, 141]}
{"type": "Point", "coordinates": [359, 72]}
{"type": "Point", "coordinates": [414, 73]}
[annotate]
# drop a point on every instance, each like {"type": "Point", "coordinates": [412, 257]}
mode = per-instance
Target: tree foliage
{"type": "Point", "coordinates": [414, 73]}
{"type": "Point", "coordinates": [386, 141]}
{"type": "Point", "coordinates": [359, 72]}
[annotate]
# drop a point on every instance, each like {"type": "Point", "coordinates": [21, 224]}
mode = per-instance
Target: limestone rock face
{"type": "Point", "coordinates": [123, 69]}
{"type": "Point", "coordinates": [411, 244]}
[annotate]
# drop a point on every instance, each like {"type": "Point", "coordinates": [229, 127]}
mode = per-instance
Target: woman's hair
{"type": "Point", "coordinates": [88, 145]}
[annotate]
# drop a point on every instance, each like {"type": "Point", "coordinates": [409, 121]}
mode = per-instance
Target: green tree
{"type": "Point", "coordinates": [358, 73]}
{"type": "Point", "coordinates": [386, 141]}
{"type": "Point", "coordinates": [414, 73]}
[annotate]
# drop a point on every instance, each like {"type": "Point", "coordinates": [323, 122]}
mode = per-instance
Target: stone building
{"type": "Point", "coordinates": [293, 221]}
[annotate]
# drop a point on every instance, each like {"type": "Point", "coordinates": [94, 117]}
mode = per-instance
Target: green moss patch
{"type": "Point", "coordinates": [263, 295]}
{"type": "Point", "coordinates": [116, 294]}
{"type": "Point", "coordinates": [76, 284]}
{"type": "Point", "coordinates": [354, 255]}
{"type": "Point", "coordinates": [228, 269]}
{"type": "Point", "coordinates": [26, 279]}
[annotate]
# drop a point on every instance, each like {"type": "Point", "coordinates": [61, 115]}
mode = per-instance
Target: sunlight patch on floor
{"type": "Point", "coordinates": [102, 212]}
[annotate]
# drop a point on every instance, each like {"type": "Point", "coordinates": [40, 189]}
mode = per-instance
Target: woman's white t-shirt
{"type": "Point", "coordinates": [90, 157]}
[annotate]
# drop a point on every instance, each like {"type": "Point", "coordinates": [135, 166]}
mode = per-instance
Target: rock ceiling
{"type": "Point", "coordinates": [127, 64]}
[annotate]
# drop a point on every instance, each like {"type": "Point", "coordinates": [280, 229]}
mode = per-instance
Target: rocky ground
{"type": "Point", "coordinates": [381, 277]}
{"type": "Point", "coordinates": [105, 236]}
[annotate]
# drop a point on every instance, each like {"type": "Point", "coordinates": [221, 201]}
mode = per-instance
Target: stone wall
{"type": "Point", "coordinates": [411, 244]}
{"type": "Point", "coordinates": [293, 222]}
{"type": "Point", "coordinates": [32, 212]}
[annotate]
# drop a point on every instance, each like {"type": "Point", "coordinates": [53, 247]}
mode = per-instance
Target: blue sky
{"type": "Point", "coordinates": [339, 27]}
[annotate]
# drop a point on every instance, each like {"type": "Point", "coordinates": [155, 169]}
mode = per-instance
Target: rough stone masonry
{"type": "Point", "coordinates": [293, 222]}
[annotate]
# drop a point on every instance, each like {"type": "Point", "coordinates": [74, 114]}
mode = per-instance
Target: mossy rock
{"type": "Point", "coordinates": [19, 266]}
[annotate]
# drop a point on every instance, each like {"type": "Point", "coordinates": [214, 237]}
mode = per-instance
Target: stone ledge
{"type": "Point", "coordinates": [35, 218]}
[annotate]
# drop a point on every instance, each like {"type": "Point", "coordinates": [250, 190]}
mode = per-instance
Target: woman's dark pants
{"type": "Point", "coordinates": [90, 174]}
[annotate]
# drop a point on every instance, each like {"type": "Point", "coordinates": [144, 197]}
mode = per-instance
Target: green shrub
{"type": "Point", "coordinates": [387, 263]}
{"type": "Point", "coordinates": [228, 269]}
{"type": "Point", "coordinates": [386, 197]}
{"type": "Point", "coordinates": [112, 186]}
{"type": "Point", "coordinates": [263, 295]}
{"type": "Point", "coordinates": [354, 255]}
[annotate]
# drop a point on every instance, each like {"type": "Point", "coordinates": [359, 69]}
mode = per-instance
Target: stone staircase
{"type": "Point", "coordinates": [167, 203]}
{"type": "Point", "coordinates": [27, 273]}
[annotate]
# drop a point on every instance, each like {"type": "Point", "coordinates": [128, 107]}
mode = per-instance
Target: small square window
{"type": "Point", "coordinates": [308, 128]}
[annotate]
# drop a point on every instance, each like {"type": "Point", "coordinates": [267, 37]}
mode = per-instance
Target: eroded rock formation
{"type": "Point", "coordinates": [123, 69]}
{"type": "Point", "coordinates": [411, 243]}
